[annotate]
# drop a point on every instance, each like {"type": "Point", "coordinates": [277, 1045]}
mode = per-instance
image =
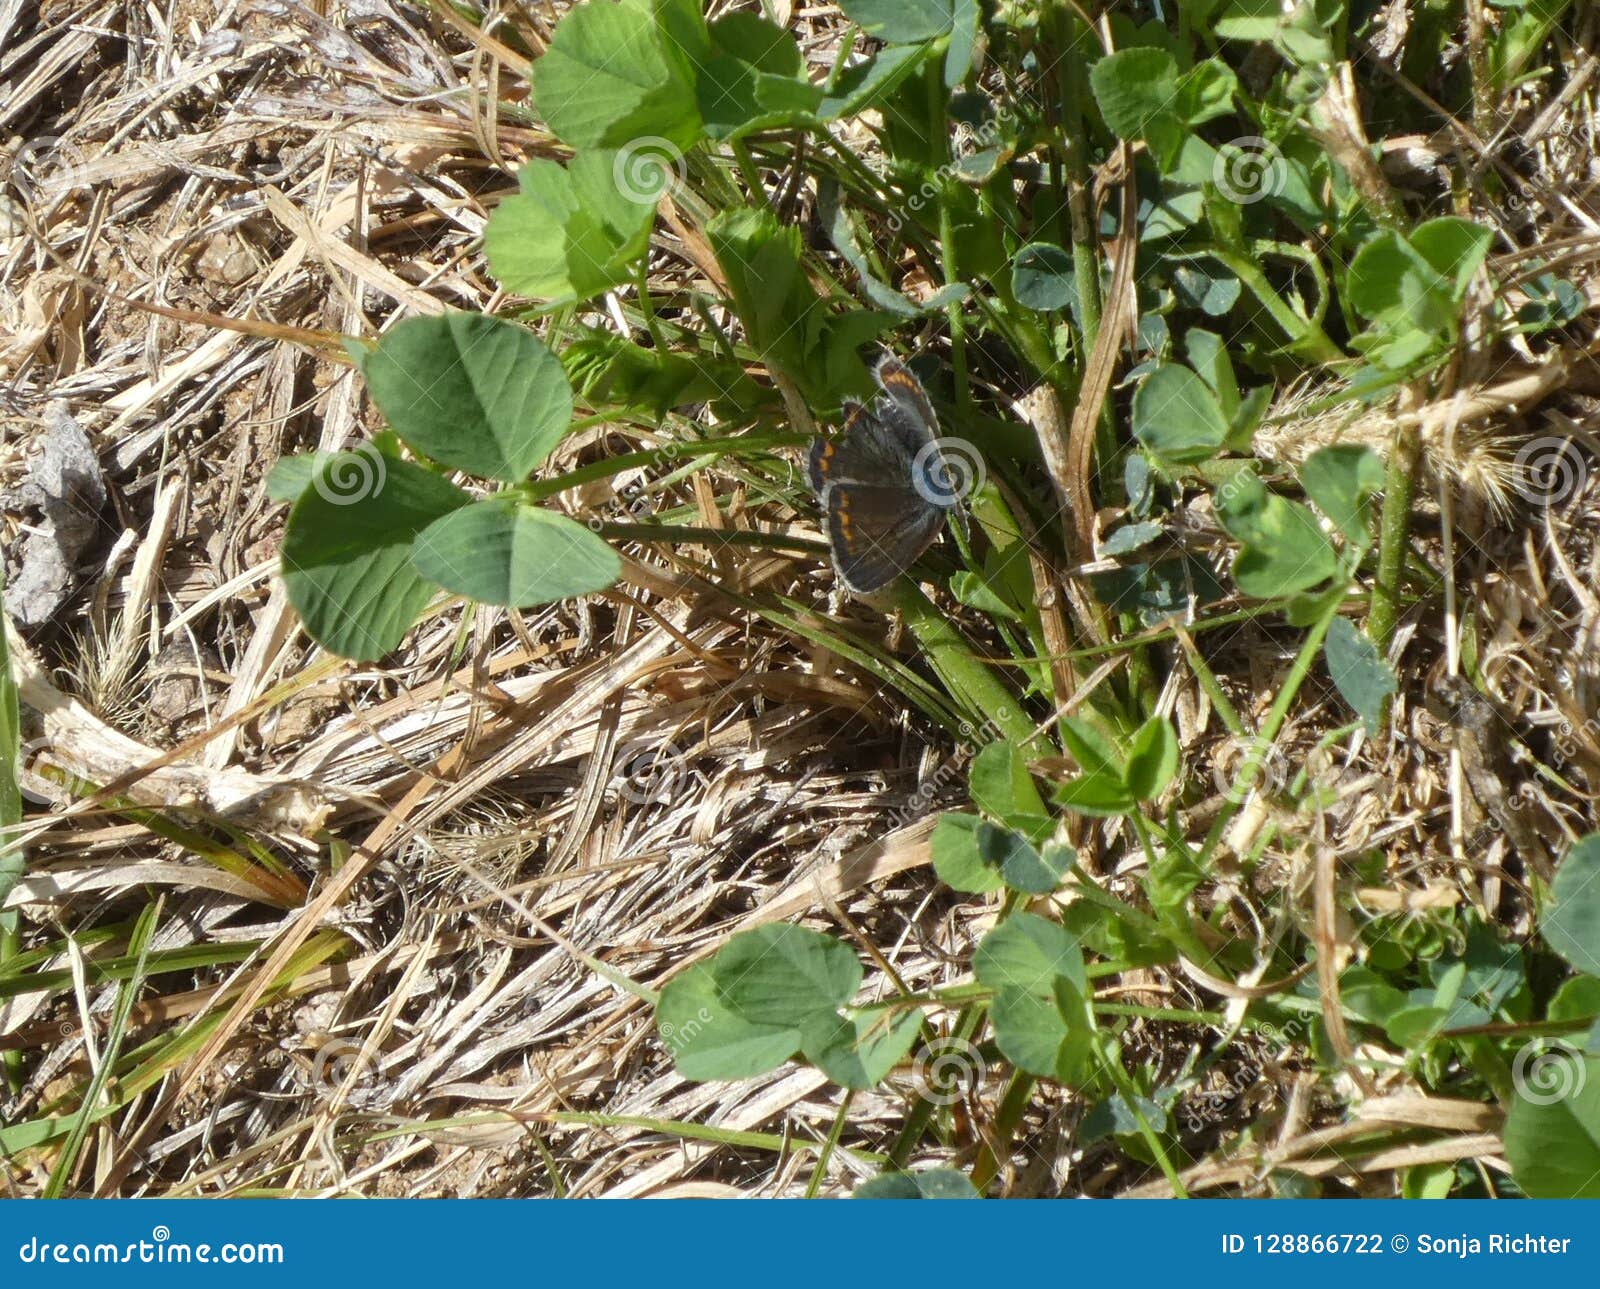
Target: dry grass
{"type": "Point", "coordinates": [262, 161]}
{"type": "Point", "coordinates": [494, 816]}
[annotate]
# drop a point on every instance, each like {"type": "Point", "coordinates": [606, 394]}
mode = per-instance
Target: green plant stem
{"type": "Point", "coordinates": [1307, 336]}
{"type": "Point", "coordinates": [647, 307]}
{"type": "Point", "coordinates": [970, 681]}
{"type": "Point", "coordinates": [747, 444]}
{"type": "Point", "coordinates": [1013, 1105]}
{"type": "Point", "coordinates": [127, 995]}
{"type": "Point", "coordinates": [958, 325]}
{"type": "Point", "coordinates": [1023, 332]}
{"type": "Point", "coordinates": [1085, 261]}
{"type": "Point", "coordinates": [749, 170]}
{"type": "Point", "coordinates": [1270, 728]}
{"type": "Point", "coordinates": [922, 1109]}
{"type": "Point", "coordinates": [1179, 1014]}
{"type": "Point", "coordinates": [1210, 684]}
{"type": "Point", "coordinates": [831, 1144]}
{"type": "Point", "coordinates": [1394, 533]}
{"type": "Point", "coordinates": [12, 859]}
{"type": "Point", "coordinates": [776, 1142]}
{"type": "Point", "coordinates": [1178, 928]}
{"type": "Point", "coordinates": [682, 534]}
{"type": "Point", "coordinates": [967, 1023]}
{"type": "Point", "coordinates": [10, 946]}
{"type": "Point", "coordinates": [1111, 1059]}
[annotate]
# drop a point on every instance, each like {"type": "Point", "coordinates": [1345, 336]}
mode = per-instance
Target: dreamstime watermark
{"type": "Point", "coordinates": [677, 1037]}
{"type": "Point", "coordinates": [333, 1065]}
{"type": "Point", "coordinates": [1246, 764]}
{"type": "Point", "coordinates": [1547, 1071]}
{"type": "Point", "coordinates": [42, 777]}
{"type": "Point", "coordinates": [46, 169]}
{"type": "Point", "coordinates": [634, 497]}
{"type": "Point", "coordinates": [352, 476]}
{"type": "Point", "coordinates": [967, 143]}
{"type": "Point", "coordinates": [160, 1248]}
{"type": "Point", "coordinates": [1566, 745]}
{"type": "Point", "coordinates": [650, 771]}
{"type": "Point", "coordinates": [646, 167]}
{"type": "Point", "coordinates": [926, 793]}
{"type": "Point", "coordinates": [948, 1070]}
{"type": "Point", "coordinates": [1549, 471]}
{"type": "Point", "coordinates": [948, 772]}
{"type": "Point", "coordinates": [635, 494]}
{"type": "Point", "coordinates": [1249, 169]}
{"type": "Point", "coordinates": [947, 471]}
{"type": "Point", "coordinates": [1211, 1106]}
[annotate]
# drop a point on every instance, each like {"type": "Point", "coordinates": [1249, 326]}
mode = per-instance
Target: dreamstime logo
{"type": "Point", "coordinates": [635, 501]}
{"type": "Point", "coordinates": [332, 1066]}
{"type": "Point", "coordinates": [650, 772]}
{"type": "Point", "coordinates": [1547, 1072]}
{"type": "Point", "coordinates": [976, 736]}
{"type": "Point", "coordinates": [949, 771]}
{"type": "Point", "coordinates": [1249, 169]}
{"type": "Point", "coordinates": [1230, 765]}
{"type": "Point", "coordinates": [46, 169]}
{"type": "Point", "coordinates": [968, 142]}
{"type": "Point", "coordinates": [947, 1070]}
{"type": "Point", "coordinates": [1567, 743]}
{"type": "Point", "coordinates": [1211, 1106]}
{"type": "Point", "coordinates": [1549, 471]}
{"type": "Point", "coordinates": [351, 476]}
{"type": "Point", "coordinates": [647, 167]}
{"type": "Point", "coordinates": [43, 779]}
{"type": "Point", "coordinates": [947, 471]}
{"type": "Point", "coordinates": [635, 495]}
{"type": "Point", "coordinates": [678, 1037]}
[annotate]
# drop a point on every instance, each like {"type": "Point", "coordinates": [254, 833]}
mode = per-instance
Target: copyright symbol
{"type": "Point", "coordinates": [1399, 1243]}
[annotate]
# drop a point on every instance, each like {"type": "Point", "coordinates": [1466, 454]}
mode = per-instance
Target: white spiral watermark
{"type": "Point", "coordinates": [42, 777]}
{"type": "Point", "coordinates": [1249, 169]}
{"type": "Point", "coordinates": [648, 771]}
{"type": "Point", "coordinates": [1544, 1073]}
{"type": "Point", "coordinates": [645, 168]}
{"type": "Point", "coordinates": [1549, 471]}
{"type": "Point", "coordinates": [333, 1063]}
{"type": "Point", "coordinates": [947, 471]}
{"type": "Point", "coordinates": [947, 1070]}
{"type": "Point", "coordinates": [351, 476]}
{"type": "Point", "coordinates": [46, 169]}
{"type": "Point", "coordinates": [1231, 773]}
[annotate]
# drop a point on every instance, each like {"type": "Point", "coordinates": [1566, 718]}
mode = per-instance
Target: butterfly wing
{"type": "Point", "coordinates": [876, 531]}
{"type": "Point", "coordinates": [860, 453]}
{"type": "Point", "coordinates": [903, 408]}
{"type": "Point", "coordinates": [877, 519]}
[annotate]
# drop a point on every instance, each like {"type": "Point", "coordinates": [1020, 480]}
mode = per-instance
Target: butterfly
{"type": "Point", "coordinates": [884, 483]}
